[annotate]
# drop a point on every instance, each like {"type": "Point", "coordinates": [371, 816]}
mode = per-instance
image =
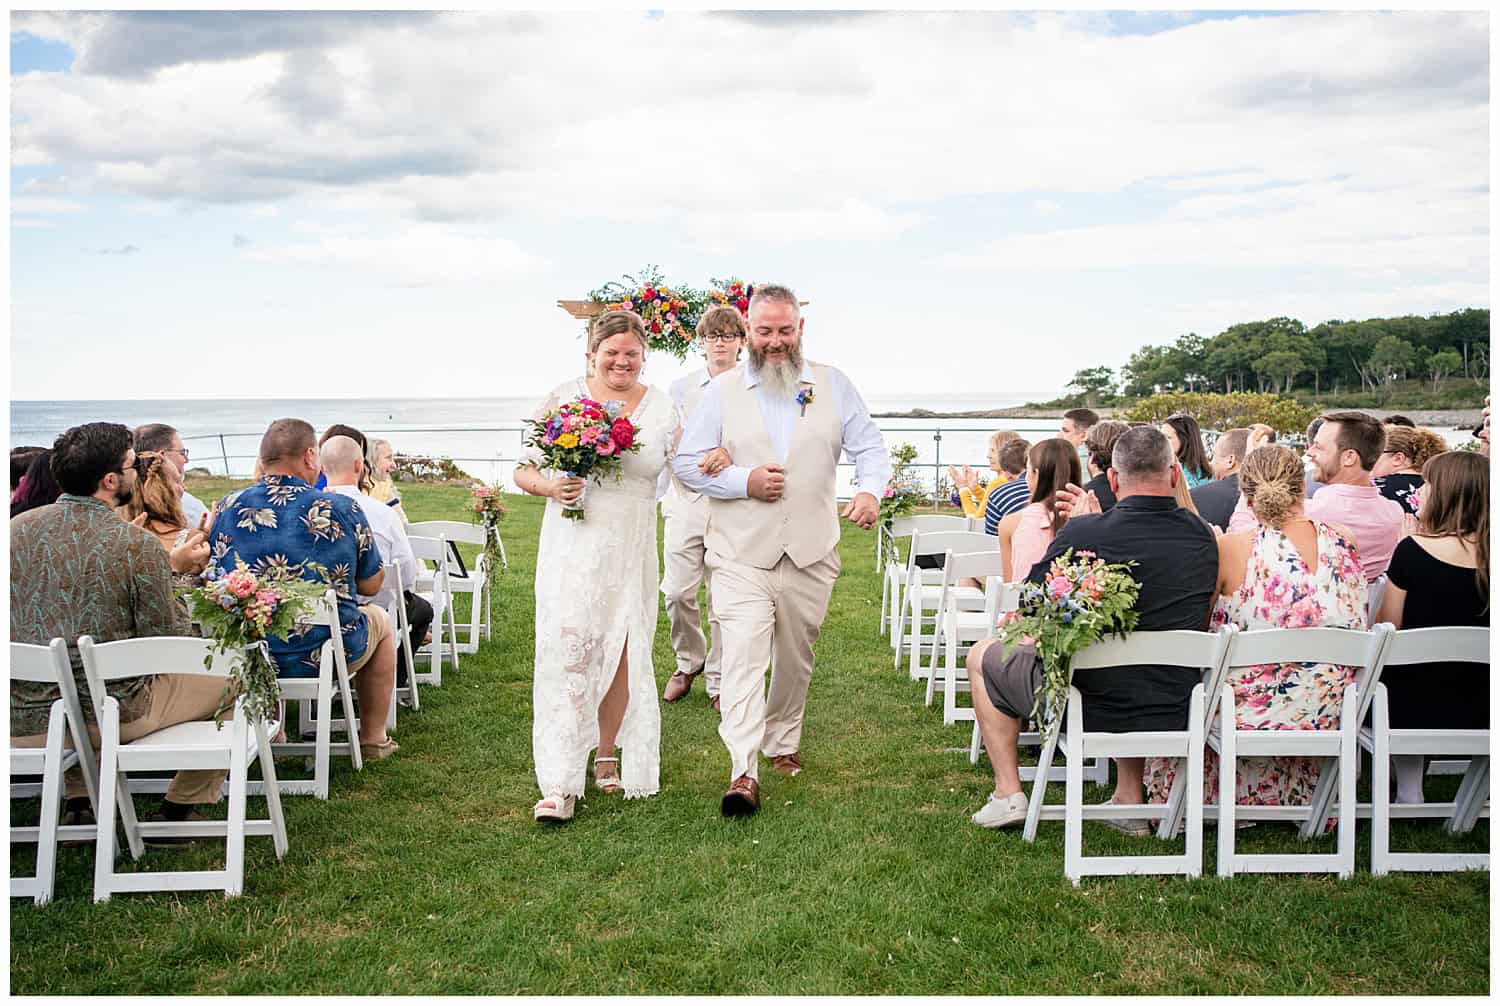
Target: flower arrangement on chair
{"type": "Point", "coordinates": [582, 439]}
{"type": "Point", "coordinates": [241, 611]}
{"type": "Point", "coordinates": [485, 502]}
{"type": "Point", "coordinates": [1082, 600]}
{"type": "Point", "coordinates": [903, 493]}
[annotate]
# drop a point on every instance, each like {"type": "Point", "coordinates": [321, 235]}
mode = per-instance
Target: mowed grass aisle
{"type": "Point", "coordinates": [426, 873]}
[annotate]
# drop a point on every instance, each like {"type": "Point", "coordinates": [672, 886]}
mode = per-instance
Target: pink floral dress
{"type": "Point", "coordinates": [1280, 592]}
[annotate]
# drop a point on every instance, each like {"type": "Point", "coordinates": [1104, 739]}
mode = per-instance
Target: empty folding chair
{"type": "Point", "coordinates": [402, 628]}
{"type": "Point", "coordinates": [436, 587]}
{"type": "Point", "coordinates": [234, 746]}
{"type": "Point", "coordinates": [68, 746]}
{"type": "Point", "coordinates": [924, 589]}
{"type": "Point", "coordinates": [899, 570]}
{"type": "Point", "coordinates": [1203, 651]}
{"type": "Point", "coordinates": [1423, 646]}
{"type": "Point", "coordinates": [474, 582]}
{"type": "Point", "coordinates": [956, 630]}
{"type": "Point", "coordinates": [1346, 647]}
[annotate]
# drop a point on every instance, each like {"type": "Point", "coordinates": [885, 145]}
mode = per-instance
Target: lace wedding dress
{"type": "Point", "coordinates": [596, 592]}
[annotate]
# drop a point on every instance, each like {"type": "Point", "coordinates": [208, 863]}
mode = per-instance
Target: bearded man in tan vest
{"type": "Point", "coordinates": [773, 531]}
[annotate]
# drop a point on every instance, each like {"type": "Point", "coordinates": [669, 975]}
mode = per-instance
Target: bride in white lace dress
{"type": "Point", "coordinates": [596, 593]}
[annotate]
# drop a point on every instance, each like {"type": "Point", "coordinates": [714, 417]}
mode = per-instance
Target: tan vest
{"type": "Point", "coordinates": [803, 524]}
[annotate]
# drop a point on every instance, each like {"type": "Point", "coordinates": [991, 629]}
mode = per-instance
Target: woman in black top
{"type": "Point", "coordinates": [1398, 472]}
{"type": "Point", "coordinates": [1440, 575]}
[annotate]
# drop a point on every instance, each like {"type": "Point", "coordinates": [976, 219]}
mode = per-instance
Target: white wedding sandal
{"type": "Point", "coordinates": [554, 807]}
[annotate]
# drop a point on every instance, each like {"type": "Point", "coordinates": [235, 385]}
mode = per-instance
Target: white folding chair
{"type": "Point", "coordinates": [315, 719]}
{"type": "Point", "coordinates": [957, 630]}
{"type": "Point", "coordinates": [200, 745]}
{"type": "Point", "coordinates": [68, 746]}
{"type": "Point", "coordinates": [1422, 646]}
{"type": "Point", "coordinates": [1338, 746]}
{"type": "Point", "coordinates": [898, 571]}
{"type": "Point", "coordinates": [923, 590]}
{"type": "Point", "coordinates": [1203, 651]}
{"type": "Point", "coordinates": [436, 588]}
{"type": "Point", "coordinates": [1374, 591]}
{"type": "Point", "coordinates": [476, 583]}
{"type": "Point", "coordinates": [402, 628]}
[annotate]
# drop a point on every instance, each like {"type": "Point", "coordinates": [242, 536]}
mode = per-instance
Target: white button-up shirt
{"type": "Point", "coordinates": [863, 442]}
{"type": "Point", "coordinates": [679, 389]}
{"type": "Point", "coordinates": [192, 509]}
{"type": "Point", "coordinates": [390, 538]}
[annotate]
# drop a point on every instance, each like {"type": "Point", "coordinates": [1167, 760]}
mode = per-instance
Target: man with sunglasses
{"type": "Point", "coordinates": [164, 439]}
{"type": "Point", "coordinates": [721, 333]}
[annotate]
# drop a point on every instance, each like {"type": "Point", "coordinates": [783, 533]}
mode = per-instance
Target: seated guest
{"type": "Point", "coordinates": [282, 521]}
{"type": "Point", "coordinates": [77, 569]}
{"type": "Point", "coordinates": [971, 496]}
{"type": "Point", "coordinates": [1182, 432]}
{"type": "Point", "coordinates": [1398, 472]}
{"type": "Point", "coordinates": [1051, 466]}
{"type": "Point", "coordinates": [1259, 436]}
{"type": "Point", "coordinates": [340, 430]}
{"type": "Point", "coordinates": [381, 462]}
{"type": "Point", "coordinates": [1291, 573]}
{"type": "Point", "coordinates": [343, 463]}
{"type": "Point", "coordinates": [1243, 519]}
{"type": "Point", "coordinates": [20, 460]}
{"type": "Point", "coordinates": [1399, 420]}
{"type": "Point", "coordinates": [1177, 563]}
{"type": "Point", "coordinates": [1216, 500]}
{"type": "Point", "coordinates": [38, 486]}
{"type": "Point", "coordinates": [1015, 493]}
{"type": "Point", "coordinates": [1100, 445]}
{"type": "Point", "coordinates": [1076, 424]}
{"type": "Point", "coordinates": [1440, 575]}
{"type": "Point", "coordinates": [1346, 448]}
{"type": "Point", "coordinates": [154, 506]}
{"type": "Point", "coordinates": [163, 439]}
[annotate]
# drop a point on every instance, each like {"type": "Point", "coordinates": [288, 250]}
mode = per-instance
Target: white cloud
{"type": "Point", "coordinates": [419, 255]}
{"type": "Point", "coordinates": [44, 204]}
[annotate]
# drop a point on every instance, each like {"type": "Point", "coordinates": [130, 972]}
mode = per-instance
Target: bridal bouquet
{"type": "Point", "coordinates": [583, 439]}
{"type": "Point", "coordinates": [240, 611]}
{"type": "Point", "coordinates": [1082, 600]}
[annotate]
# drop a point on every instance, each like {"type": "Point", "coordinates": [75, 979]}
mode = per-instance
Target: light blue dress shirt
{"type": "Point", "coordinates": [862, 441]}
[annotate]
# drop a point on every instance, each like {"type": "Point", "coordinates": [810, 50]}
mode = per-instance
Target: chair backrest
{"type": "Point", "coordinates": [938, 542]}
{"type": "Point", "coordinates": [966, 565]}
{"type": "Point", "coordinates": [147, 656]}
{"type": "Point", "coordinates": [1171, 647]}
{"type": "Point", "coordinates": [470, 534]}
{"type": "Point", "coordinates": [1313, 645]}
{"type": "Point", "coordinates": [50, 664]}
{"type": "Point", "coordinates": [902, 527]}
{"type": "Point", "coordinates": [1374, 591]}
{"type": "Point", "coordinates": [1459, 643]}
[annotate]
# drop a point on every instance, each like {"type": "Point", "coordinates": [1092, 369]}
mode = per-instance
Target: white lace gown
{"type": "Point", "coordinates": [596, 592]}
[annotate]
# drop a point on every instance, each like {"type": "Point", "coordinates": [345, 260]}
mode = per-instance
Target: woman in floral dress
{"type": "Point", "coordinates": [1291, 572]}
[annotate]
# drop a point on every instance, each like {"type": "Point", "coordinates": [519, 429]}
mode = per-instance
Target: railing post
{"type": "Point", "coordinates": [224, 451]}
{"type": "Point", "coordinates": [937, 463]}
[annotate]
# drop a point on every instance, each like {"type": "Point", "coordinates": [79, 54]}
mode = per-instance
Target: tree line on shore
{"type": "Point", "coordinates": [1333, 358]}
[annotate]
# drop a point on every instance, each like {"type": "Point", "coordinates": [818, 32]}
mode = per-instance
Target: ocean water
{"type": "Point", "coordinates": [482, 435]}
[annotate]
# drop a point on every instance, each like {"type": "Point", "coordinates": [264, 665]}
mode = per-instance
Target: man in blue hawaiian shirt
{"type": "Point", "coordinates": [283, 523]}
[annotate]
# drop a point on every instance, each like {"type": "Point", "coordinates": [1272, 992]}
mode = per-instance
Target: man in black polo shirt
{"type": "Point", "coordinates": [1177, 565]}
{"type": "Point", "coordinates": [1217, 498]}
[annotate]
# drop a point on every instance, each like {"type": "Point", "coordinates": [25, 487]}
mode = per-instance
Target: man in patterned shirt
{"type": "Point", "coordinates": [282, 522]}
{"type": "Point", "coordinates": [77, 569]}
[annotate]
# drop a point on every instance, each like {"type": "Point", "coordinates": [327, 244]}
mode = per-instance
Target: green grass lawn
{"type": "Point", "coordinates": [426, 873]}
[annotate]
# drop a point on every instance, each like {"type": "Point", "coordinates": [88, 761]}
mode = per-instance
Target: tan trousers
{"type": "Point", "coordinates": [683, 559]}
{"type": "Point", "coordinates": [174, 699]}
{"type": "Point", "coordinates": [767, 616]}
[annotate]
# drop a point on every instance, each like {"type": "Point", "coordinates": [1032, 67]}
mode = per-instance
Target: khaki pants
{"type": "Point", "coordinates": [767, 616]}
{"type": "Point", "coordinates": [173, 699]}
{"type": "Point", "coordinates": [683, 559]}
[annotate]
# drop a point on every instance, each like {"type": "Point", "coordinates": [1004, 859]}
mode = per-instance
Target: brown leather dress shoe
{"type": "Point", "coordinates": [678, 685]}
{"type": "Point", "coordinates": [788, 764]}
{"type": "Point", "coordinates": [715, 703]}
{"type": "Point", "coordinates": [743, 798]}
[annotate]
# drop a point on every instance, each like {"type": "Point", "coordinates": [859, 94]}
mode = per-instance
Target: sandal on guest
{"type": "Point", "coordinates": [554, 807]}
{"type": "Point", "coordinates": [375, 752]}
{"type": "Point", "coordinates": [607, 782]}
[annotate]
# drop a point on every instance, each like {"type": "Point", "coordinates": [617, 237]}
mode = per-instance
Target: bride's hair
{"type": "Point", "coordinates": [612, 323]}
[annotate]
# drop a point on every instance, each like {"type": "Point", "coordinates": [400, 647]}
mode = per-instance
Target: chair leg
{"type": "Point", "coordinates": [1227, 748]}
{"type": "Point", "coordinates": [1073, 819]}
{"type": "Point", "coordinates": [976, 741]}
{"type": "Point", "coordinates": [52, 795]}
{"type": "Point", "coordinates": [1349, 757]}
{"type": "Point", "coordinates": [272, 788]}
{"type": "Point", "coordinates": [234, 836]}
{"type": "Point", "coordinates": [1478, 778]}
{"type": "Point", "coordinates": [110, 790]}
{"type": "Point", "coordinates": [351, 722]}
{"type": "Point", "coordinates": [1380, 789]}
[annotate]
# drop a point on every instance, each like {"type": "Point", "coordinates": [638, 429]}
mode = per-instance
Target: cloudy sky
{"type": "Point", "coordinates": [358, 205]}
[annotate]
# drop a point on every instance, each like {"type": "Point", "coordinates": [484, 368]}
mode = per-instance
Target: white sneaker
{"type": "Point", "coordinates": [1001, 811]}
{"type": "Point", "coordinates": [1134, 827]}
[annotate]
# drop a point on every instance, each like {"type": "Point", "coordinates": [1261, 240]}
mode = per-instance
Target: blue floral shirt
{"type": "Point", "coordinates": [282, 522]}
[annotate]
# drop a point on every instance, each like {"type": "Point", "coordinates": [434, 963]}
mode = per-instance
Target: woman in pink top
{"type": "Point", "coordinates": [1026, 534]}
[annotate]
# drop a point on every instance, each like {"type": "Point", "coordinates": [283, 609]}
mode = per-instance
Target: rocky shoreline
{"type": "Point", "coordinates": [1458, 419]}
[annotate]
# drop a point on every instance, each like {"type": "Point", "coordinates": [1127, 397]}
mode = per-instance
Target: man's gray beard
{"type": "Point", "coordinates": [781, 377]}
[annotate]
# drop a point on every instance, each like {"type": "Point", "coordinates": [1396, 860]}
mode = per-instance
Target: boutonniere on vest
{"type": "Point", "coordinates": [804, 399]}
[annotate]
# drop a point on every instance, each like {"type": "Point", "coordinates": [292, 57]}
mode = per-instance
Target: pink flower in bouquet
{"type": "Point", "coordinates": [267, 598]}
{"type": "Point", "coordinates": [1059, 586]}
{"type": "Point", "coordinates": [240, 583]}
{"type": "Point", "coordinates": [588, 434]}
{"type": "Point", "coordinates": [622, 433]}
{"type": "Point", "coordinates": [568, 424]}
{"type": "Point", "coordinates": [605, 447]}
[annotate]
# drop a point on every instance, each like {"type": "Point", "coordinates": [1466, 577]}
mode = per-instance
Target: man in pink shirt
{"type": "Point", "coordinates": [1344, 451]}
